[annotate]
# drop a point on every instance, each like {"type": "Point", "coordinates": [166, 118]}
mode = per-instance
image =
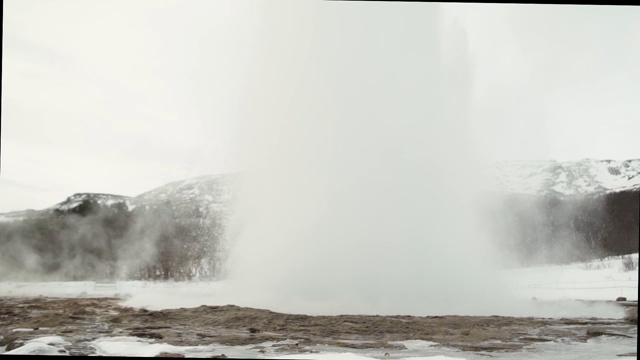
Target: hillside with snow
{"type": "Point", "coordinates": [587, 176]}
{"type": "Point", "coordinates": [213, 188]}
{"type": "Point", "coordinates": [549, 177]}
{"type": "Point", "coordinates": [76, 200]}
{"type": "Point", "coordinates": [541, 211]}
{"type": "Point", "coordinates": [202, 193]}
{"type": "Point", "coordinates": [174, 232]}
{"type": "Point", "coordinates": [548, 211]}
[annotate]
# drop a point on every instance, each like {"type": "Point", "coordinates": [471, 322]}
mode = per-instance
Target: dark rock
{"type": "Point", "coordinates": [156, 314]}
{"type": "Point", "coordinates": [594, 332]}
{"type": "Point", "coordinates": [5, 341]}
{"type": "Point", "coordinates": [621, 298]}
{"type": "Point", "coordinates": [13, 345]}
{"type": "Point", "coordinates": [253, 330]}
{"type": "Point", "coordinates": [632, 315]}
{"type": "Point", "coordinates": [169, 355]}
{"type": "Point", "coordinates": [534, 339]}
{"type": "Point", "coordinates": [148, 335]}
{"type": "Point", "coordinates": [221, 356]}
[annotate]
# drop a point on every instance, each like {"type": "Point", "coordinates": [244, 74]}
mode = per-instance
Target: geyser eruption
{"type": "Point", "coordinates": [362, 201]}
{"type": "Point", "coordinates": [360, 195]}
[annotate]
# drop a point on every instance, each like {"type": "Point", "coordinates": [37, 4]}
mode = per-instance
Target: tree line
{"type": "Point", "coordinates": [538, 229]}
{"type": "Point", "coordinates": [93, 241]}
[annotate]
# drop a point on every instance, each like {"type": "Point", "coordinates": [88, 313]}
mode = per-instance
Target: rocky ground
{"type": "Point", "coordinates": [81, 320]}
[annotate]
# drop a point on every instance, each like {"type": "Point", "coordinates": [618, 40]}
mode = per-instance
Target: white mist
{"type": "Point", "coordinates": [361, 194]}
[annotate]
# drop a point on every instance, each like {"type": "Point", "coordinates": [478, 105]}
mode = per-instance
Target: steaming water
{"type": "Point", "coordinates": [360, 197]}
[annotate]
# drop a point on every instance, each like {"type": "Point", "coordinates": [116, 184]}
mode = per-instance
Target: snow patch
{"type": "Point", "coordinates": [48, 345]}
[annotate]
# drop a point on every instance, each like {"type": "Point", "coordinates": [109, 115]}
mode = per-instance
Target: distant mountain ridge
{"type": "Point", "coordinates": [582, 177]}
{"type": "Point", "coordinates": [214, 191]}
{"type": "Point", "coordinates": [102, 199]}
{"type": "Point", "coordinates": [206, 192]}
{"type": "Point", "coordinates": [546, 177]}
{"type": "Point", "coordinates": [541, 211]}
{"type": "Point", "coordinates": [176, 231]}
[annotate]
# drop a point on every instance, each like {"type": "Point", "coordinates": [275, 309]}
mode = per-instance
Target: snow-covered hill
{"type": "Point", "coordinates": [179, 227]}
{"type": "Point", "coordinates": [587, 176]}
{"type": "Point", "coordinates": [209, 192]}
{"type": "Point", "coordinates": [213, 191]}
{"type": "Point", "coordinates": [75, 200]}
{"type": "Point", "coordinates": [548, 177]}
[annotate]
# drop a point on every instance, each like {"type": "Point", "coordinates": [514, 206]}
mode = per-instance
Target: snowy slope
{"type": "Point", "coordinates": [102, 199]}
{"type": "Point", "coordinates": [202, 193]}
{"type": "Point", "coordinates": [70, 203]}
{"type": "Point", "coordinates": [214, 191]}
{"type": "Point", "coordinates": [548, 177]}
{"type": "Point", "coordinates": [587, 176]}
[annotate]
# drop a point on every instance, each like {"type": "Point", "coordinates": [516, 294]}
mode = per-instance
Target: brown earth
{"type": "Point", "coordinates": [81, 320]}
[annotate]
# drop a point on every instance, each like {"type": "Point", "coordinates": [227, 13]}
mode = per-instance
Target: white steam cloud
{"type": "Point", "coordinates": [362, 199]}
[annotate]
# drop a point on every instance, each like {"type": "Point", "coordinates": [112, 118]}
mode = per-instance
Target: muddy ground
{"type": "Point", "coordinates": [81, 320]}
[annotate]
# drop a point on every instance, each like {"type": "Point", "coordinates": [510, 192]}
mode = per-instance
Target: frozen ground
{"type": "Point", "coordinates": [600, 348]}
{"type": "Point", "coordinates": [602, 279]}
{"type": "Point", "coordinates": [555, 287]}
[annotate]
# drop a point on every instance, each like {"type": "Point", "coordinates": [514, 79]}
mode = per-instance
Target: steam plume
{"type": "Point", "coordinates": [362, 199]}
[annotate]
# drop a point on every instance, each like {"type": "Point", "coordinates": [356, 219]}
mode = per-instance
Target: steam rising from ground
{"type": "Point", "coordinates": [362, 196]}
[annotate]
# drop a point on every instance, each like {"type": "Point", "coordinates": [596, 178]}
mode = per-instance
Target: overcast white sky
{"type": "Point", "coordinates": [124, 96]}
